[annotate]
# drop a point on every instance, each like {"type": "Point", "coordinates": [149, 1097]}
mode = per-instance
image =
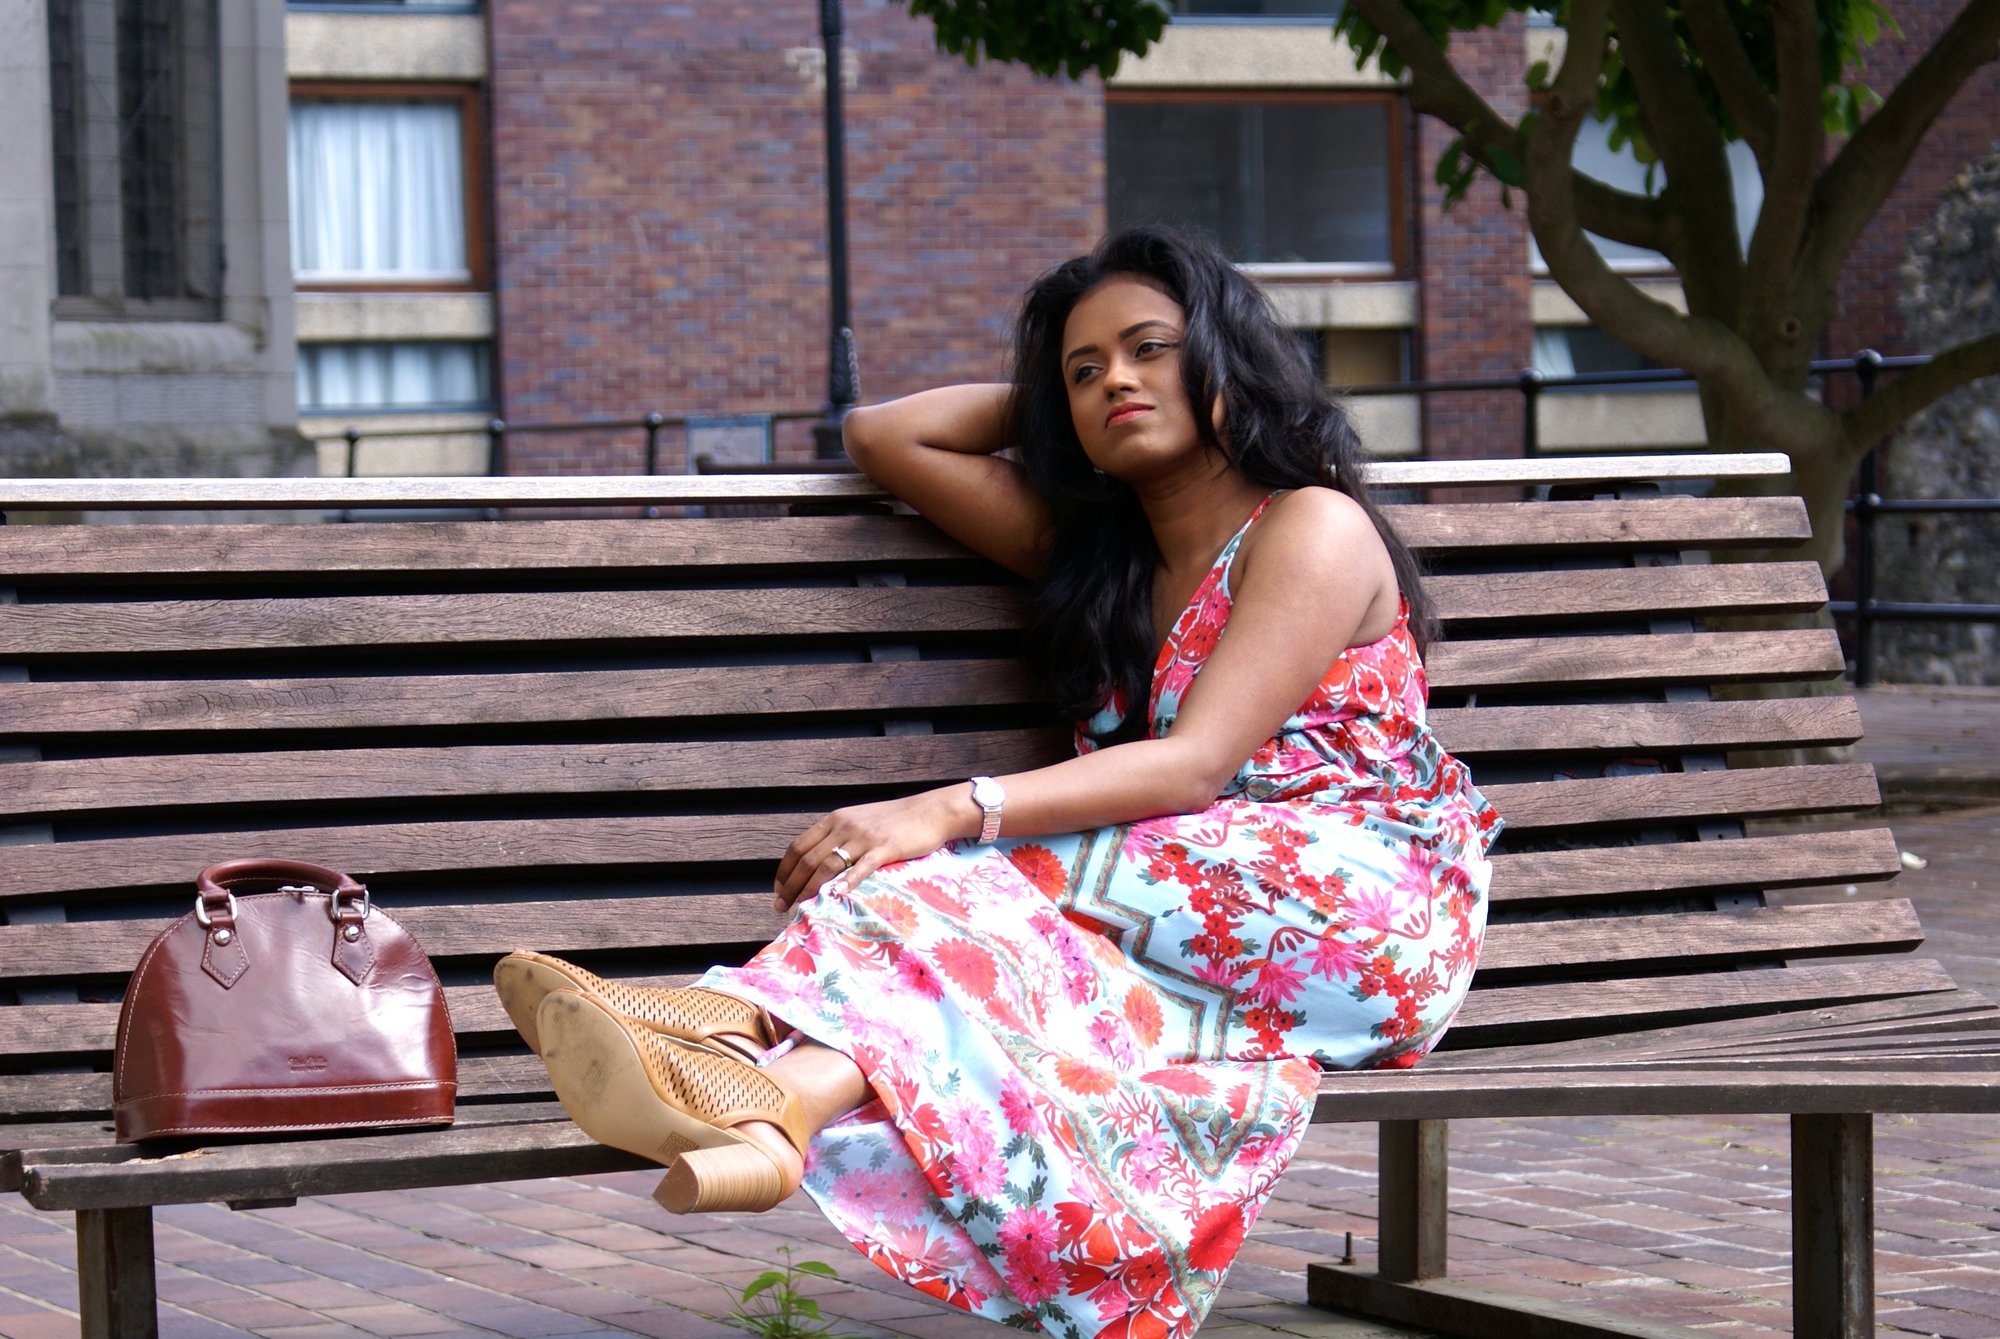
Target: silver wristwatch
{"type": "Point", "coordinates": [987, 794]}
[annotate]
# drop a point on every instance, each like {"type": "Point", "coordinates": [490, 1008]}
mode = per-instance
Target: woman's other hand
{"type": "Point", "coordinates": [871, 836]}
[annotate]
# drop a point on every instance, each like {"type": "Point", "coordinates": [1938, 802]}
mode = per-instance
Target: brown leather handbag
{"type": "Point", "coordinates": [301, 1008]}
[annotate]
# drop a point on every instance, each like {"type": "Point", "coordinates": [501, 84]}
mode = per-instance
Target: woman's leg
{"type": "Point", "coordinates": [828, 1085]}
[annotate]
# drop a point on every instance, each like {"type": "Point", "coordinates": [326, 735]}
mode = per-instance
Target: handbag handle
{"type": "Point", "coordinates": [218, 880]}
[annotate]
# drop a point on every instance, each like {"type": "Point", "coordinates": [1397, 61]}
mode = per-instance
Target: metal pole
{"type": "Point", "coordinates": [1867, 368]}
{"type": "Point", "coordinates": [841, 380]}
{"type": "Point", "coordinates": [1531, 400]}
{"type": "Point", "coordinates": [496, 447]}
{"type": "Point", "coordinates": [653, 422]}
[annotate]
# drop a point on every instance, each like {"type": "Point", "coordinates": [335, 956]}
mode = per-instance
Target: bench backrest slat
{"type": "Point", "coordinates": [625, 721]}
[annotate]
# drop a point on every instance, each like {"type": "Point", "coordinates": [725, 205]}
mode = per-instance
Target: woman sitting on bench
{"type": "Point", "coordinates": [1048, 1040]}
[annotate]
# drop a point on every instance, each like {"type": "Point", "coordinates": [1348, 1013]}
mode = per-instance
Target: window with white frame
{"type": "Point", "coordinates": [400, 377]}
{"type": "Point", "coordinates": [380, 194]}
{"type": "Point", "coordinates": [1296, 179]}
{"type": "Point", "coordinates": [1594, 157]}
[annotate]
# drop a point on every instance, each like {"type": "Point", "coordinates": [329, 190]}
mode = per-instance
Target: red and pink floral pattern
{"type": "Point", "coordinates": [1094, 1054]}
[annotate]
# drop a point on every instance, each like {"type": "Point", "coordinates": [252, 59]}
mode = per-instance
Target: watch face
{"type": "Point", "coordinates": [987, 794]}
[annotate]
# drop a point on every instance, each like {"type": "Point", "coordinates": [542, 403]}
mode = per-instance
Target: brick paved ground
{"type": "Point", "coordinates": [1683, 1221]}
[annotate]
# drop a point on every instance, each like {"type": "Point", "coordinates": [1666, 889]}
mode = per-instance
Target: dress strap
{"type": "Point", "coordinates": [1226, 560]}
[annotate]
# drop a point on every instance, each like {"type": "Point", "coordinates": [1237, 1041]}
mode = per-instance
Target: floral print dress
{"type": "Point", "coordinates": [1094, 1054]}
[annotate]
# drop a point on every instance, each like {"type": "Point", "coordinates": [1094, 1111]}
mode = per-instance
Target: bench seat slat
{"type": "Point", "coordinates": [1760, 792]}
{"type": "Point", "coordinates": [1677, 938]}
{"type": "Point", "coordinates": [1597, 592]}
{"type": "Point", "coordinates": [1656, 658]}
{"type": "Point", "coordinates": [472, 847]}
{"type": "Point", "coordinates": [1471, 732]}
{"type": "Point", "coordinates": [1965, 1086]}
{"type": "Point", "coordinates": [528, 620]}
{"type": "Point", "coordinates": [56, 709]}
{"type": "Point", "coordinates": [611, 547]}
{"type": "Point", "coordinates": [1880, 1003]}
{"type": "Point", "coordinates": [1502, 1015]}
{"type": "Point", "coordinates": [539, 619]}
{"type": "Point", "coordinates": [471, 700]}
{"type": "Point", "coordinates": [1700, 937]}
{"type": "Point", "coordinates": [1790, 860]}
{"type": "Point", "coordinates": [94, 784]}
{"type": "Point", "coordinates": [101, 947]}
{"type": "Point", "coordinates": [1490, 1017]}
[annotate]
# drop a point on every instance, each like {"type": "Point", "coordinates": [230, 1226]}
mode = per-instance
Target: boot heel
{"type": "Point", "coordinates": [734, 1178]}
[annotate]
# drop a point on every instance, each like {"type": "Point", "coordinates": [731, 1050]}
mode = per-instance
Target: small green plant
{"type": "Point", "coordinates": [771, 1307]}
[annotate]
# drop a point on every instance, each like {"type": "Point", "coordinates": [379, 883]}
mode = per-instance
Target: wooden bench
{"type": "Point", "coordinates": [593, 737]}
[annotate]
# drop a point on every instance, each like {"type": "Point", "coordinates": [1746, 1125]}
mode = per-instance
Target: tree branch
{"type": "Point", "coordinates": [1870, 164]}
{"type": "Point", "coordinates": [1907, 392]}
{"type": "Point", "coordinates": [1436, 89]}
{"type": "Point", "coordinates": [1736, 81]}
{"type": "Point", "coordinates": [1725, 365]}
{"type": "Point", "coordinates": [1792, 165]}
{"type": "Point", "coordinates": [1687, 139]}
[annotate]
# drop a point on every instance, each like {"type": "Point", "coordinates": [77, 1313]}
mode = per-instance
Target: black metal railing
{"type": "Point", "coordinates": [1866, 504]}
{"type": "Point", "coordinates": [497, 431]}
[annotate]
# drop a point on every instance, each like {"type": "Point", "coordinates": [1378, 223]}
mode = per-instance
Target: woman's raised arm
{"type": "Point", "coordinates": [936, 451]}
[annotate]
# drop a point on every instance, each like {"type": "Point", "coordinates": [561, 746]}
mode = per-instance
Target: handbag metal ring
{"type": "Point", "coordinates": [333, 906]}
{"type": "Point", "coordinates": [201, 909]}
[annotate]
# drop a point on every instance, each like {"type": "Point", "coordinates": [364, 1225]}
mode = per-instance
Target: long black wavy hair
{"type": "Point", "coordinates": [1092, 624]}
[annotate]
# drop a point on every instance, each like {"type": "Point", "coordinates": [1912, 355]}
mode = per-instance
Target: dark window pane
{"type": "Point", "coordinates": [148, 115]}
{"type": "Point", "coordinates": [65, 84]}
{"type": "Point", "coordinates": [1273, 181]}
{"type": "Point", "coordinates": [1326, 9]}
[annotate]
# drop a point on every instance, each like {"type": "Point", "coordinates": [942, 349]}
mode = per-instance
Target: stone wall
{"type": "Point", "coordinates": [1951, 294]}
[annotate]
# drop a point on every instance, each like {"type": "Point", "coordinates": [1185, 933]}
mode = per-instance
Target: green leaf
{"type": "Point", "coordinates": [770, 1278]}
{"type": "Point", "coordinates": [1506, 166]}
{"type": "Point", "coordinates": [818, 1267]}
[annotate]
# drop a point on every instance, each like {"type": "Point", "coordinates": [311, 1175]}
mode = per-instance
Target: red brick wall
{"type": "Point", "coordinates": [661, 212]}
{"type": "Point", "coordinates": [1473, 267]}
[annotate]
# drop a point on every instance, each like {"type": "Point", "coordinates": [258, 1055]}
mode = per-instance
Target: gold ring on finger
{"type": "Point", "coordinates": [846, 860]}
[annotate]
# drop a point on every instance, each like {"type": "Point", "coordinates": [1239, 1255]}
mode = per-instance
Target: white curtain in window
{"type": "Point", "coordinates": [378, 190]}
{"type": "Point", "coordinates": [390, 376]}
{"type": "Point", "coordinates": [1552, 353]}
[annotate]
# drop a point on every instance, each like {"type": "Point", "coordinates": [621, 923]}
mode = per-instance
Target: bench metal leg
{"type": "Point", "coordinates": [114, 1265]}
{"type": "Point", "coordinates": [1414, 1158]}
{"type": "Point", "coordinates": [1833, 1227]}
{"type": "Point", "coordinates": [1411, 1287]}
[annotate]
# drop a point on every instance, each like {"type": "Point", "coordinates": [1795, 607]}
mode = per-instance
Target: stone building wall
{"type": "Point", "coordinates": [1951, 293]}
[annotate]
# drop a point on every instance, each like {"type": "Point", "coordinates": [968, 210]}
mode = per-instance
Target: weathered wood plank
{"type": "Point", "coordinates": [546, 618]}
{"type": "Point", "coordinates": [1418, 1094]}
{"type": "Point", "coordinates": [39, 951]}
{"type": "Point", "coordinates": [1500, 1015]}
{"type": "Point", "coordinates": [1827, 787]}
{"type": "Point", "coordinates": [539, 618]}
{"type": "Point", "coordinates": [1793, 860]}
{"type": "Point", "coordinates": [1674, 521]}
{"type": "Point", "coordinates": [396, 701]}
{"type": "Point", "coordinates": [1699, 938]}
{"type": "Point", "coordinates": [459, 1155]}
{"type": "Point", "coordinates": [1801, 722]}
{"type": "Point", "coordinates": [606, 548]}
{"type": "Point", "coordinates": [1599, 592]}
{"type": "Point", "coordinates": [96, 784]}
{"type": "Point", "coordinates": [173, 860]}
{"type": "Point", "coordinates": [208, 552]}
{"type": "Point", "coordinates": [1669, 658]}
{"type": "Point", "coordinates": [704, 490]}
